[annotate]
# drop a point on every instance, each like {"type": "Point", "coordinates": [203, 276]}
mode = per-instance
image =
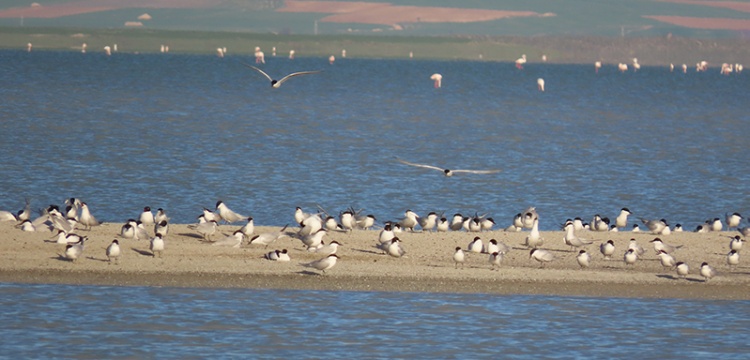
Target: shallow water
{"type": "Point", "coordinates": [46, 321]}
{"type": "Point", "coordinates": [183, 131]}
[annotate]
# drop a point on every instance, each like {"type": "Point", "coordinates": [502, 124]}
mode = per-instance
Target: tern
{"type": "Point", "coordinates": [707, 271]}
{"type": "Point", "coordinates": [113, 251]}
{"type": "Point", "coordinates": [277, 83]}
{"type": "Point", "coordinates": [448, 172]}
{"type": "Point", "coordinates": [323, 264]}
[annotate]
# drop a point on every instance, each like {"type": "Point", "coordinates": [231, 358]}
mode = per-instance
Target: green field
{"type": "Point", "coordinates": [559, 49]}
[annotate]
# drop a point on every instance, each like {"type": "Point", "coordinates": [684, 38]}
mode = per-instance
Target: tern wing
{"type": "Point", "coordinates": [478, 171]}
{"type": "Point", "coordinates": [420, 165]}
{"type": "Point", "coordinates": [259, 70]}
{"type": "Point", "coordinates": [296, 74]}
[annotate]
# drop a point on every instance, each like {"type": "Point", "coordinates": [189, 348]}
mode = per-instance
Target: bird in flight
{"type": "Point", "coordinates": [277, 83]}
{"type": "Point", "coordinates": [448, 172]}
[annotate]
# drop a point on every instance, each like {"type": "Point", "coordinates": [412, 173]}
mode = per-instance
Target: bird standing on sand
{"type": "Point", "coordinates": [323, 264]}
{"type": "Point", "coordinates": [682, 269]}
{"type": "Point", "coordinates": [277, 83]}
{"type": "Point", "coordinates": [113, 251]}
{"type": "Point", "coordinates": [459, 257]}
{"type": "Point", "coordinates": [583, 258]}
{"type": "Point", "coordinates": [157, 245]}
{"type": "Point", "coordinates": [707, 271]}
{"type": "Point", "coordinates": [542, 256]}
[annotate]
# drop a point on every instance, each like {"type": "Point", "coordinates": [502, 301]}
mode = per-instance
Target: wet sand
{"type": "Point", "coordinates": [189, 261]}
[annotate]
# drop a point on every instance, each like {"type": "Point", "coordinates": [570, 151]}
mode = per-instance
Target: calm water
{"type": "Point", "coordinates": [46, 321]}
{"type": "Point", "coordinates": [183, 131]}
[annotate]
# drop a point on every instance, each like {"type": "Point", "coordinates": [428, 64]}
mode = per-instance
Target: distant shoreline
{"type": "Point", "coordinates": [660, 51]}
{"type": "Point", "coordinates": [29, 257]}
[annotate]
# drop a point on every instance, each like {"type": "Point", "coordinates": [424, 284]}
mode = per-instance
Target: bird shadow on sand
{"type": "Point", "coordinates": [672, 277]}
{"type": "Point", "coordinates": [143, 252]}
{"type": "Point", "coordinates": [366, 251]}
{"type": "Point", "coordinates": [192, 235]}
{"type": "Point", "coordinates": [97, 259]}
{"type": "Point", "coordinates": [61, 258]}
{"type": "Point", "coordinates": [311, 273]}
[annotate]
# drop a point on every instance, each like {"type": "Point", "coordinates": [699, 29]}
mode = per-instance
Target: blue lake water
{"type": "Point", "coordinates": [183, 131]}
{"type": "Point", "coordinates": [54, 321]}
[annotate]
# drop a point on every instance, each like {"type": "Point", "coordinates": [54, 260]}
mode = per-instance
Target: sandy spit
{"type": "Point", "coordinates": [189, 261]}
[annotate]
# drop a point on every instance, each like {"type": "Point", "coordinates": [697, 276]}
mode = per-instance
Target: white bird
{"type": "Point", "coordinates": [140, 231]}
{"type": "Point", "coordinates": [410, 220]}
{"type": "Point", "coordinates": [127, 231]}
{"type": "Point", "coordinates": [622, 219]}
{"type": "Point", "coordinates": [636, 228]}
{"type": "Point", "coordinates": [534, 239]}
{"type": "Point", "coordinates": [315, 239]}
{"type": "Point", "coordinates": [660, 245]}
{"type": "Point", "coordinates": [457, 222]}
{"type": "Point", "coordinates": [157, 245]}
{"type": "Point", "coordinates": [330, 224]}
{"type": "Point", "coordinates": [330, 248]}
{"type": "Point", "coordinates": [227, 214]}
{"type": "Point", "coordinates": [278, 255]}
{"type": "Point", "coordinates": [113, 251]}
{"type": "Point", "coordinates": [162, 228]}
{"type": "Point", "coordinates": [74, 251]}
{"type": "Point", "coordinates": [160, 216]}
{"type": "Point", "coordinates": [26, 225]}
{"type": "Point", "coordinates": [542, 256]}
{"type": "Point", "coordinates": [323, 264]}
{"type": "Point", "coordinates": [443, 225]}
{"type": "Point", "coordinates": [657, 227]}
{"type": "Point", "coordinates": [599, 223]}
{"type": "Point", "coordinates": [234, 240]}
{"type": "Point", "coordinates": [540, 84]}
{"type": "Point", "coordinates": [682, 269]}
{"type": "Point", "coordinates": [206, 229]}
{"type": "Point", "coordinates": [733, 220]}
{"type": "Point", "coordinates": [631, 256]}
{"type": "Point", "coordinates": [571, 239]}
{"type": "Point", "coordinates": [365, 222]}
{"type": "Point", "coordinates": [448, 172]}
{"type": "Point", "coordinates": [394, 249]}
{"type": "Point", "coordinates": [7, 216]}
{"type": "Point", "coordinates": [268, 238]}
{"type": "Point", "coordinates": [386, 235]}
{"type": "Point", "coordinates": [607, 249]}
{"type": "Point", "coordinates": [733, 258]}
{"type": "Point", "coordinates": [667, 260]}
{"type": "Point", "coordinates": [459, 257]}
{"type": "Point", "coordinates": [249, 228]}
{"type": "Point", "coordinates": [528, 217]}
{"type": "Point", "coordinates": [209, 216]}
{"type": "Point", "coordinates": [715, 224]}
{"type": "Point", "coordinates": [429, 222]}
{"type": "Point", "coordinates": [736, 243]}
{"type": "Point", "coordinates": [347, 220]}
{"type": "Point", "coordinates": [87, 219]}
{"type": "Point", "coordinates": [147, 217]}
{"type": "Point", "coordinates": [438, 80]}
{"type": "Point", "coordinates": [583, 258]}
{"type": "Point", "coordinates": [277, 83]}
{"type": "Point", "coordinates": [707, 271]}
{"type": "Point", "coordinates": [678, 228]}
{"type": "Point", "coordinates": [496, 259]}
{"type": "Point", "coordinates": [310, 225]}
{"type": "Point", "coordinates": [496, 246]}
{"type": "Point", "coordinates": [475, 245]}
{"type": "Point", "coordinates": [487, 224]}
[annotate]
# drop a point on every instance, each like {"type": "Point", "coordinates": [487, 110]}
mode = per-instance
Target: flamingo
{"type": "Point", "coordinates": [622, 67]}
{"type": "Point", "coordinates": [671, 67]}
{"type": "Point", "coordinates": [540, 84]}
{"type": "Point", "coordinates": [260, 58]}
{"type": "Point", "coordinates": [636, 65]}
{"type": "Point", "coordinates": [83, 48]}
{"type": "Point", "coordinates": [291, 54]}
{"type": "Point", "coordinates": [438, 79]}
{"type": "Point", "coordinates": [684, 68]}
{"type": "Point", "coordinates": [220, 52]}
{"type": "Point", "coordinates": [107, 50]}
{"type": "Point", "coordinates": [331, 59]}
{"type": "Point", "coordinates": [273, 51]}
{"type": "Point", "coordinates": [520, 61]}
{"type": "Point", "coordinates": [597, 66]}
{"type": "Point", "coordinates": [28, 47]}
{"type": "Point", "coordinates": [343, 53]}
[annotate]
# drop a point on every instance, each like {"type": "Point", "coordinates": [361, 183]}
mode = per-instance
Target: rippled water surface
{"type": "Point", "coordinates": [183, 131]}
{"type": "Point", "coordinates": [46, 321]}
